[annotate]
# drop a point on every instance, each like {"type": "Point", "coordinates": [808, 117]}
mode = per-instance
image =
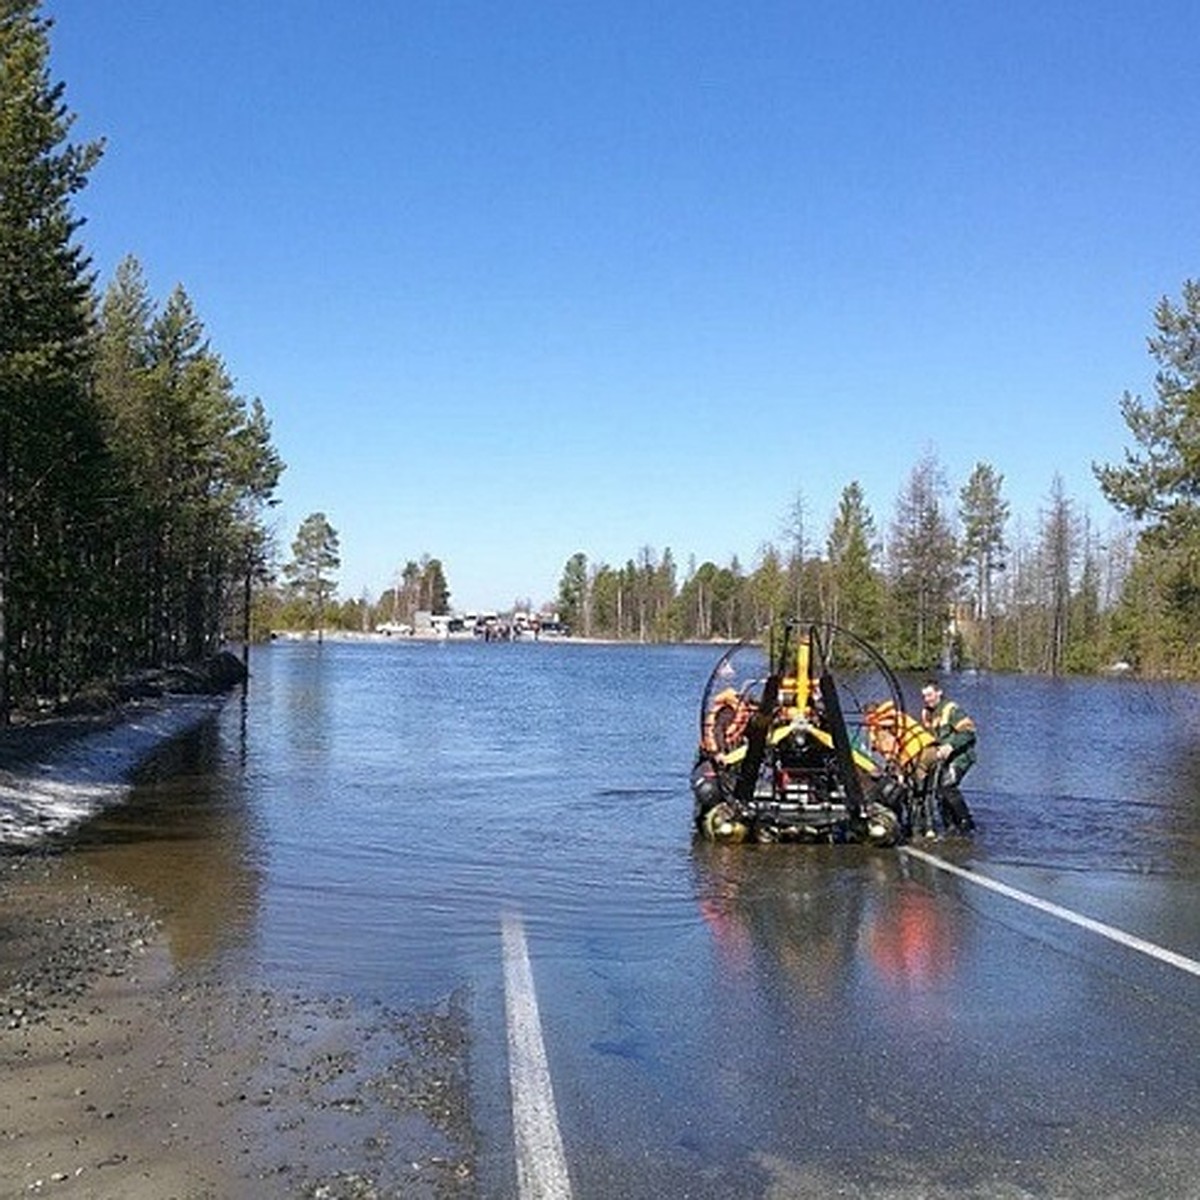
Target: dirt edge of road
{"type": "Point", "coordinates": [122, 1074]}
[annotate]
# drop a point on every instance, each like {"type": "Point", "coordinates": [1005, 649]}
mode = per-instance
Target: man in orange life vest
{"type": "Point", "coordinates": [955, 734]}
{"type": "Point", "coordinates": [909, 752]}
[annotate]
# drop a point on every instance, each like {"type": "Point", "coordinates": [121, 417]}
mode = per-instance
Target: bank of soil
{"type": "Point", "coordinates": [124, 1075]}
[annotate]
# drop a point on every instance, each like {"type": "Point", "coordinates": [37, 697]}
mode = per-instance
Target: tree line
{"type": "Point", "coordinates": [953, 580]}
{"type": "Point", "coordinates": [306, 596]}
{"type": "Point", "coordinates": [947, 584]}
{"type": "Point", "coordinates": [134, 479]}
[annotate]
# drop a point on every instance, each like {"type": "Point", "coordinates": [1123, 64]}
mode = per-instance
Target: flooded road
{"type": "Point", "coordinates": [758, 1021]}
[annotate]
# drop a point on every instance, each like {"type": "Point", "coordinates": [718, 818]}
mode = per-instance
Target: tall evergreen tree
{"type": "Point", "coordinates": [984, 514]}
{"type": "Point", "coordinates": [730, 618]}
{"type": "Point", "coordinates": [604, 587]}
{"type": "Point", "coordinates": [855, 598]}
{"type": "Point", "coordinates": [51, 459]}
{"type": "Point", "coordinates": [122, 389]}
{"type": "Point", "coordinates": [642, 577]}
{"type": "Point", "coordinates": [1058, 552]}
{"type": "Point", "coordinates": [923, 567]}
{"type": "Point", "coordinates": [1158, 485]}
{"type": "Point", "coordinates": [696, 602]}
{"type": "Point", "coordinates": [1086, 643]}
{"type": "Point", "coordinates": [572, 592]}
{"type": "Point", "coordinates": [435, 591]}
{"type": "Point", "coordinates": [665, 586]}
{"type": "Point", "coordinates": [768, 595]}
{"type": "Point", "coordinates": [409, 592]}
{"type": "Point", "coordinates": [310, 573]}
{"type": "Point", "coordinates": [197, 465]}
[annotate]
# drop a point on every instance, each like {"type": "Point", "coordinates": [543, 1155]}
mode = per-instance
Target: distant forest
{"type": "Point", "coordinates": [953, 580]}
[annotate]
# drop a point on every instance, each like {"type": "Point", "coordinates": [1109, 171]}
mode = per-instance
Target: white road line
{"type": "Point", "coordinates": [541, 1161]}
{"type": "Point", "coordinates": [1065, 914]}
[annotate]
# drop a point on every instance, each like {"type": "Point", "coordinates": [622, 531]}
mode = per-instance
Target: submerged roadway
{"type": "Point", "coordinates": [937, 1021]}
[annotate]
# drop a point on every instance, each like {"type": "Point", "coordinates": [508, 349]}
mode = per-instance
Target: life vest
{"type": "Point", "coordinates": [943, 719]}
{"type": "Point", "coordinates": [897, 736]}
{"type": "Point", "coordinates": [725, 722]}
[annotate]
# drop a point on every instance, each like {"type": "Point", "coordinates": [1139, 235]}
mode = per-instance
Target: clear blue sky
{"type": "Point", "coordinates": [516, 280]}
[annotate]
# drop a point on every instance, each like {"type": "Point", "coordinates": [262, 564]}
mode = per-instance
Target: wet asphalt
{"type": "Point", "coordinates": [843, 1021]}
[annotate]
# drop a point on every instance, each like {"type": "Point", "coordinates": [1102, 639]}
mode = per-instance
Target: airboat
{"type": "Point", "coordinates": [804, 737]}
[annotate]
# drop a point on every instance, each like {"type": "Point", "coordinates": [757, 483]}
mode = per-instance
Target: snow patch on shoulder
{"type": "Point", "coordinates": [63, 789]}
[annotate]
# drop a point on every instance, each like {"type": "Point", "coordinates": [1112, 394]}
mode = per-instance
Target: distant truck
{"type": "Point", "coordinates": [394, 629]}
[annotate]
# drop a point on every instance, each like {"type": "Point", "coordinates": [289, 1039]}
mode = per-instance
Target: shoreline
{"type": "Point", "coordinates": [370, 637]}
{"type": "Point", "coordinates": [56, 773]}
{"type": "Point", "coordinates": [124, 1073]}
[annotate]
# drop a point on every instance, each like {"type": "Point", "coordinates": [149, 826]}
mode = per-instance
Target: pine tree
{"type": "Point", "coordinates": [696, 599]}
{"type": "Point", "coordinates": [315, 557]}
{"type": "Point", "coordinates": [122, 390]}
{"type": "Point", "coordinates": [767, 592]}
{"type": "Point", "coordinates": [1058, 552]}
{"type": "Point", "coordinates": [984, 514]}
{"type": "Point", "coordinates": [198, 471]}
{"type": "Point", "coordinates": [573, 593]}
{"type": "Point", "coordinates": [51, 456]}
{"type": "Point", "coordinates": [1158, 485]}
{"type": "Point", "coordinates": [1161, 484]}
{"type": "Point", "coordinates": [923, 568]}
{"type": "Point", "coordinates": [855, 598]}
{"type": "Point", "coordinates": [434, 588]}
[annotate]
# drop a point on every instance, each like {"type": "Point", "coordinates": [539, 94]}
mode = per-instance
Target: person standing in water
{"type": "Point", "coordinates": [954, 732]}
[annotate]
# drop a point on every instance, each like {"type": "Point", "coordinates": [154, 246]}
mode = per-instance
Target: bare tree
{"type": "Point", "coordinates": [1058, 550]}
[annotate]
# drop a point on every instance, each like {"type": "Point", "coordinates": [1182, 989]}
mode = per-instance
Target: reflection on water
{"type": "Point", "coordinates": [820, 926]}
{"type": "Point", "coordinates": [184, 841]}
{"type": "Point", "coordinates": [358, 826]}
{"type": "Point", "coordinates": [381, 803]}
{"type": "Point", "coordinates": [772, 911]}
{"type": "Point", "coordinates": [912, 942]}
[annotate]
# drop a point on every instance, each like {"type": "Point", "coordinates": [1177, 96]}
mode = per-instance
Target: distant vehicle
{"type": "Point", "coordinates": [394, 629]}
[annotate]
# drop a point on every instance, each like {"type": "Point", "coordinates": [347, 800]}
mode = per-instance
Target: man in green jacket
{"type": "Point", "coordinates": [955, 734]}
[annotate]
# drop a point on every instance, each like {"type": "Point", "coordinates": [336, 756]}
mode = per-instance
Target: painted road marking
{"type": "Point", "coordinates": [541, 1162]}
{"type": "Point", "coordinates": [1117, 935]}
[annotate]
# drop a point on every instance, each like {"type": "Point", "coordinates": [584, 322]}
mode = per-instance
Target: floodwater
{"type": "Point", "coordinates": [720, 1021]}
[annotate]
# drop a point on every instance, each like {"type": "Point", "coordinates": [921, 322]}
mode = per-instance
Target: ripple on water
{"type": "Point", "coordinates": [396, 798]}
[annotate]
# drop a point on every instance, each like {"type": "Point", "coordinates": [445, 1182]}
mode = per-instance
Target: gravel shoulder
{"type": "Point", "coordinates": [125, 1075]}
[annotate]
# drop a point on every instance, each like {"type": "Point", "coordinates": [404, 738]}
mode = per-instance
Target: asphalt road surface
{"type": "Point", "coordinates": [845, 1022]}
